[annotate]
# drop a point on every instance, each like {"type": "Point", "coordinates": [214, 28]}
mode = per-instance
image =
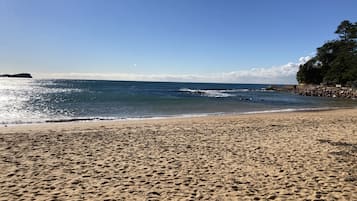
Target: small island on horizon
{"type": "Point", "coordinates": [19, 75]}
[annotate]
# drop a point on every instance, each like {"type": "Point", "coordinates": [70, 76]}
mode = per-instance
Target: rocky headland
{"type": "Point", "coordinates": [318, 90]}
{"type": "Point", "coordinates": [326, 91]}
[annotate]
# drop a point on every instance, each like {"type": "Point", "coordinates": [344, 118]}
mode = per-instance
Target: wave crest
{"type": "Point", "coordinates": [208, 92]}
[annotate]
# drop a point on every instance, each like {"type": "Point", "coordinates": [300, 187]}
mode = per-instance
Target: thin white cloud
{"type": "Point", "coordinates": [284, 74]}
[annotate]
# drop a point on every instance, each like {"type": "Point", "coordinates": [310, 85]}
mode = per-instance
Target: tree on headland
{"type": "Point", "coordinates": [346, 30]}
{"type": "Point", "coordinates": [335, 61]}
{"type": "Point", "coordinates": [310, 72]}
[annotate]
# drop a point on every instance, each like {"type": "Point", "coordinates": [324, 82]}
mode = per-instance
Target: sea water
{"type": "Point", "coordinates": [38, 100]}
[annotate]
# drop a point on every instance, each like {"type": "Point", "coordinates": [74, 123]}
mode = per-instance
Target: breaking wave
{"type": "Point", "coordinates": [219, 93]}
{"type": "Point", "coordinates": [208, 92]}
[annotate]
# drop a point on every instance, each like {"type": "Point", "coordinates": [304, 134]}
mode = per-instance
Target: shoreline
{"type": "Point", "coordinates": [182, 116]}
{"type": "Point", "coordinates": [282, 156]}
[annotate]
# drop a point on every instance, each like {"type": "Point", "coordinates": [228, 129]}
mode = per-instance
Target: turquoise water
{"type": "Point", "coordinates": [36, 100]}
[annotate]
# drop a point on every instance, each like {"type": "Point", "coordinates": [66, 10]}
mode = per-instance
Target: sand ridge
{"type": "Point", "coordinates": [283, 156]}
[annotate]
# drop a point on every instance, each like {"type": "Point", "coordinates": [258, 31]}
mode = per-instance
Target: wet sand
{"type": "Point", "coordinates": [280, 156]}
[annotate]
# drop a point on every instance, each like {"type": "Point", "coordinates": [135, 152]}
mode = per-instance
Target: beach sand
{"type": "Point", "coordinates": [277, 156]}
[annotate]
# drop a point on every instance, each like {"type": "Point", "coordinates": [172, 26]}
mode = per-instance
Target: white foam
{"type": "Point", "coordinates": [208, 92]}
{"type": "Point", "coordinates": [235, 90]}
{"type": "Point", "coordinates": [219, 93]}
{"type": "Point", "coordinates": [291, 110]}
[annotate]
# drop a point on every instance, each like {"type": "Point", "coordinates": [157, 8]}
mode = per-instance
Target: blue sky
{"type": "Point", "coordinates": [168, 40]}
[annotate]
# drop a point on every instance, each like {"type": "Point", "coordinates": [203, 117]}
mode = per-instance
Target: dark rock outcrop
{"type": "Point", "coordinates": [286, 88]}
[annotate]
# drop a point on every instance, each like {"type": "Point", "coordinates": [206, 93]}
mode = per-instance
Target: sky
{"type": "Point", "coordinates": [235, 41]}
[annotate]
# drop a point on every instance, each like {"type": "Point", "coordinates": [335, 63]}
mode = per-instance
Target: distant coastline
{"type": "Point", "coordinates": [19, 75]}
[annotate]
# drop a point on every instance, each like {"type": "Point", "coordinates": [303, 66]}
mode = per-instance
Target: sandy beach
{"type": "Point", "coordinates": [277, 156]}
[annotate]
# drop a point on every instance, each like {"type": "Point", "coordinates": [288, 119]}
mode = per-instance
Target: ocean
{"type": "Point", "coordinates": [38, 101]}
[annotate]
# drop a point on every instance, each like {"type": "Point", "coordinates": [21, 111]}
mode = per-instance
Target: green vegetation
{"type": "Point", "coordinates": [335, 61]}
